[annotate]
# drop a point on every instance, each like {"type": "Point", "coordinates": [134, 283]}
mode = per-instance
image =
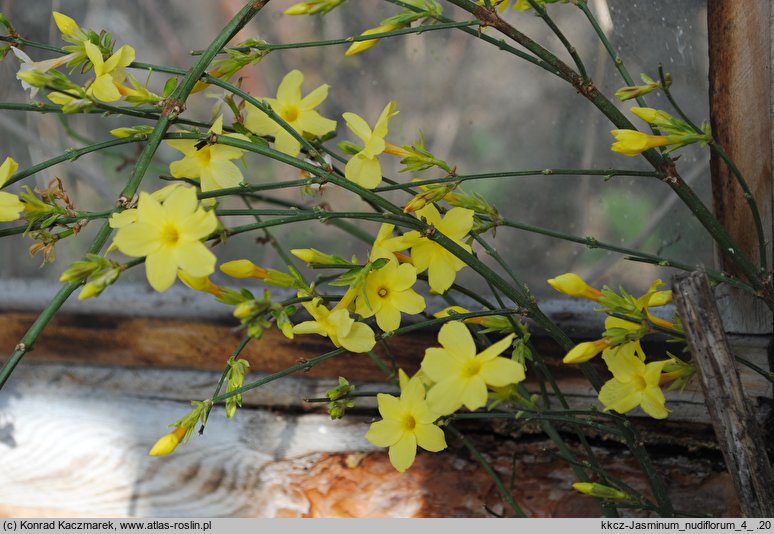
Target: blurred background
{"type": "Point", "coordinates": [480, 109]}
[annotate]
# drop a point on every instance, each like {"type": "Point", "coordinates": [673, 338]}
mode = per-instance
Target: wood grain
{"type": "Point", "coordinates": [741, 109]}
{"type": "Point", "coordinates": [74, 442]}
{"type": "Point", "coordinates": [739, 435]}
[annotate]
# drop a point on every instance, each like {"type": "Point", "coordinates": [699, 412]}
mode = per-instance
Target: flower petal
{"type": "Point", "coordinates": [161, 268]}
{"type": "Point", "coordinates": [195, 259]}
{"type": "Point", "coordinates": [430, 438]}
{"type": "Point", "coordinates": [653, 403]}
{"type": "Point", "coordinates": [456, 339]}
{"type": "Point", "coordinates": [446, 397]}
{"type": "Point", "coordinates": [403, 452]}
{"type": "Point", "coordinates": [388, 317]}
{"type": "Point", "coordinates": [409, 301]}
{"type": "Point", "coordinates": [359, 339]}
{"type": "Point", "coordinates": [389, 406]}
{"type": "Point", "coordinates": [290, 87]}
{"type": "Point", "coordinates": [495, 349]}
{"type": "Point", "coordinates": [619, 396]}
{"type": "Point", "coordinates": [138, 239]}
{"type": "Point", "coordinates": [258, 122]}
{"type": "Point", "coordinates": [314, 98]}
{"type": "Point", "coordinates": [224, 174]}
{"type": "Point", "coordinates": [104, 89]}
{"type": "Point", "coordinates": [364, 171]}
{"type": "Point", "coordinates": [501, 372]}
{"type": "Point", "coordinates": [286, 143]}
{"type": "Point", "coordinates": [384, 433]}
{"type": "Point", "coordinates": [457, 223]}
{"type": "Point", "coordinates": [358, 125]}
{"type": "Point", "coordinates": [474, 396]}
{"type": "Point", "coordinates": [314, 123]}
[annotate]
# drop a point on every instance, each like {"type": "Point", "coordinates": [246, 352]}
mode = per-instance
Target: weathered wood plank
{"type": "Point", "coordinates": [741, 109]}
{"type": "Point", "coordinates": [739, 436]}
{"type": "Point", "coordinates": [265, 463]}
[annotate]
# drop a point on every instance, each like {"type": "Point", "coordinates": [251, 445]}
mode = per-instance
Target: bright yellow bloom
{"type": "Point", "coordinates": [109, 74]}
{"type": "Point", "coordinates": [244, 269]}
{"type": "Point", "coordinates": [388, 292]}
{"type": "Point", "coordinates": [169, 442]}
{"type": "Point", "coordinates": [10, 205]}
{"type": "Point", "coordinates": [600, 490]}
{"type": "Point", "coordinates": [7, 169]}
{"type": "Point", "coordinates": [337, 325]}
{"type": "Point", "coordinates": [362, 46]}
{"type": "Point", "coordinates": [68, 27]}
{"type": "Point", "coordinates": [427, 255]}
{"type": "Point", "coordinates": [634, 383]}
{"type": "Point", "coordinates": [200, 283]}
{"type": "Point", "coordinates": [406, 422]}
{"type": "Point", "coordinates": [298, 112]}
{"type": "Point", "coordinates": [573, 285]}
{"type": "Point", "coordinates": [583, 352]}
{"type": "Point", "coordinates": [364, 168]}
{"type": "Point", "coordinates": [387, 245]}
{"type": "Point", "coordinates": [461, 376]}
{"type": "Point", "coordinates": [211, 163]}
{"type": "Point", "coordinates": [634, 143]}
{"type": "Point", "coordinates": [631, 348]}
{"type": "Point", "coordinates": [169, 235]}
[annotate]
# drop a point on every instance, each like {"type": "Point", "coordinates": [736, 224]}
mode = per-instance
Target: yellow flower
{"type": "Point", "coordinates": [406, 422]}
{"type": "Point", "coordinates": [71, 32]}
{"type": "Point", "coordinates": [10, 205]}
{"type": "Point", "coordinates": [573, 285]}
{"type": "Point", "coordinates": [337, 325]}
{"type": "Point", "coordinates": [244, 269]}
{"type": "Point", "coordinates": [427, 255]}
{"type": "Point", "coordinates": [600, 490]}
{"type": "Point", "coordinates": [583, 352]}
{"type": "Point", "coordinates": [169, 235]}
{"type": "Point", "coordinates": [169, 442]}
{"type": "Point", "coordinates": [364, 168]}
{"type": "Point", "coordinates": [362, 46]}
{"type": "Point", "coordinates": [387, 245]}
{"type": "Point", "coordinates": [211, 163]}
{"type": "Point", "coordinates": [461, 376]}
{"type": "Point", "coordinates": [634, 143]}
{"type": "Point", "coordinates": [298, 112]}
{"type": "Point", "coordinates": [634, 383]}
{"type": "Point", "coordinates": [109, 74]}
{"type": "Point", "coordinates": [387, 293]}
{"type": "Point", "coordinates": [200, 283]}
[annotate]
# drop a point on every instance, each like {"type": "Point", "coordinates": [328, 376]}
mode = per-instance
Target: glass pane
{"type": "Point", "coordinates": [480, 109]}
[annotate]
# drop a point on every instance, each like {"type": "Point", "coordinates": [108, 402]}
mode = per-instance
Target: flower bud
{"type": "Point", "coordinates": [362, 46]}
{"type": "Point", "coordinates": [244, 269]}
{"type": "Point", "coordinates": [573, 285]}
{"type": "Point", "coordinates": [583, 352]}
{"type": "Point", "coordinates": [602, 491]}
{"type": "Point", "coordinates": [168, 443]}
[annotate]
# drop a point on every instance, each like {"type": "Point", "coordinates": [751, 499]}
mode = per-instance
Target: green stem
{"type": "Point", "coordinates": [617, 60]}
{"type": "Point", "coordinates": [349, 40]}
{"type": "Point", "coordinates": [234, 355]}
{"type": "Point", "coordinates": [69, 155]}
{"type": "Point", "coordinates": [607, 173]}
{"type": "Point", "coordinates": [593, 243]}
{"type": "Point", "coordinates": [541, 11]}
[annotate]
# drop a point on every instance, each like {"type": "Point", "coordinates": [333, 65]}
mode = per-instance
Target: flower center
{"type": "Point", "coordinates": [408, 422]}
{"type": "Point", "coordinates": [170, 235]}
{"type": "Point", "coordinates": [204, 156]}
{"type": "Point", "coordinates": [639, 384]}
{"type": "Point", "coordinates": [289, 113]}
{"type": "Point", "coordinates": [472, 368]}
{"type": "Point", "coordinates": [383, 292]}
